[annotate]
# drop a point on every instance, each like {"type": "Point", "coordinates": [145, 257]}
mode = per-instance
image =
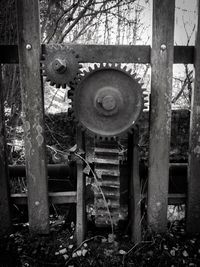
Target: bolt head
{"type": "Point", "coordinates": [108, 102]}
{"type": "Point", "coordinates": [59, 65]}
{"type": "Point", "coordinates": [37, 203]}
{"type": "Point", "coordinates": [28, 46]}
{"type": "Point", "coordinates": [163, 47]}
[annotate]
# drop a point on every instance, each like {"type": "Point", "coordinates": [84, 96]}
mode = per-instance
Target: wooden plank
{"type": "Point", "coordinates": [54, 197]}
{"type": "Point", "coordinates": [80, 206]}
{"type": "Point", "coordinates": [135, 190]}
{"type": "Point", "coordinates": [103, 53]}
{"type": "Point", "coordinates": [5, 219]}
{"type": "Point", "coordinates": [61, 171]}
{"type": "Point", "coordinates": [71, 197]}
{"type": "Point", "coordinates": [33, 111]}
{"type": "Point", "coordinates": [193, 207]}
{"type": "Point", "coordinates": [177, 199]}
{"type": "Point", "coordinates": [160, 112]}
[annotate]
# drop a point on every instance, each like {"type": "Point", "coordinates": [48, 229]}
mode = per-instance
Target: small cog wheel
{"type": "Point", "coordinates": [107, 101]}
{"type": "Point", "coordinates": [61, 65]}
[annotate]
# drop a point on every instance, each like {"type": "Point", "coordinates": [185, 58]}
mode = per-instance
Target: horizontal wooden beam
{"type": "Point", "coordinates": [54, 197]}
{"type": "Point", "coordinates": [107, 53]}
{"type": "Point", "coordinates": [53, 170]}
{"type": "Point", "coordinates": [70, 197]}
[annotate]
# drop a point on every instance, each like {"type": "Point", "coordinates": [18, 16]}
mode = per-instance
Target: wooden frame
{"type": "Point", "coordinates": [33, 108]}
{"type": "Point", "coordinates": [161, 56]}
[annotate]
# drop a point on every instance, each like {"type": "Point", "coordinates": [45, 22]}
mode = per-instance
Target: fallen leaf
{"type": "Point", "coordinates": [122, 252]}
{"type": "Point", "coordinates": [185, 254]}
{"type": "Point", "coordinates": [173, 252]}
{"type": "Point", "coordinates": [84, 252]}
{"type": "Point", "coordinates": [63, 251]}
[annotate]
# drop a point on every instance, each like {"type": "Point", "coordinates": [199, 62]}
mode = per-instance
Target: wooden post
{"type": "Point", "coordinates": [5, 219]}
{"type": "Point", "coordinates": [80, 206]}
{"type": "Point", "coordinates": [160, 112]}
{"type": "Point", "coordinates": [33, 112]}
{"type": "Point", "coordinates": [135, 190]}
{"type": "Point", "coordinates": [193, 205]}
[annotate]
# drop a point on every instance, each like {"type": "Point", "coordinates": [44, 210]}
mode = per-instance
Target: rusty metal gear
{"type": "Point", "coordinates": [107, 101]}
{"type": "Point", "coordinates": [61, 65]}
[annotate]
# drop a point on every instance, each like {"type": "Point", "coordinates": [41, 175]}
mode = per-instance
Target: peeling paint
{"type": "Point", "coordinates": [198, 109]}
{"type": "Point", "coordinates": [28, 146]}
{"type": "Point", "coordinates": [39, 137]}
{"type": "Point", "coordinates": [32, 177]}
{"type": "Point", "coordinates": [27, 126]}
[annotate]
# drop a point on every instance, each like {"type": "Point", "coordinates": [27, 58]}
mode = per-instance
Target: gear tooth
{"type": "Point", "coordinates": [112, 65]}
{"type": "Point", "coordinates": [52, 83]}
{"type": "Point", "coordinates": [101, 65]}
{"type": "Point", "coordinates": [80, 66]}
{"type": "Point", "coordinates": [64, 86]}
{"type": "Point", "coordinates": [146, 94]}
{"type": "Point", "coordinates": [57, 85]}
{"type": "Point", "coordinates": [129, 71]}
{"type": "Point", "coordinates": [95, 66]}
{"type": "Point", "coordinates": [79, 72]}
{"type": "Point", "coordinates": [90, 68]}
{"type": "Point", "coordinates": [124, 68]}
{"type": "Point", "coordinates": [142, 84]}
{"type": "Point", "coordinates": [137, 79]}
{"type": "Point", "coordinates": [83, 130]}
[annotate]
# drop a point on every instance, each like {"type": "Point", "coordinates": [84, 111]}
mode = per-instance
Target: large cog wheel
{"type": "Point", "coordinates": [61, 65]}
{"type": "Point", "coordinates": [107, 101]}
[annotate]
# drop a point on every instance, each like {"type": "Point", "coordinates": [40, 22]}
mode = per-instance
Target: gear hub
{"type": "Point", "coordinates": [61, 65]}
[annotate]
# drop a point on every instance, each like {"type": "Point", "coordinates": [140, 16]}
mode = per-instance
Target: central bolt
{"type": "Point", "coordinates": [59, 65]}
{"type": "Point", "coordinates": [108, 102]}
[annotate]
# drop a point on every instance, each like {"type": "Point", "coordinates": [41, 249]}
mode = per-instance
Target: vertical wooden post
{"type": "Point", "coordinates": [33, 112]}
{"type": "Point", "coordinates": [80, 206]}
{"type": "Point", "coordinates": [160, 112]}
{"type": "Point", "coordinates": [135, 190]}
{"type": "Point", "coordinates": [5, 219]}
{"type": "Point", "coordinates": [193, 205]}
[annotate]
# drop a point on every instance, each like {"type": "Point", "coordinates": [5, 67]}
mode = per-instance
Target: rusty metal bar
{"type": "Point", "coordinates": [107, 53]}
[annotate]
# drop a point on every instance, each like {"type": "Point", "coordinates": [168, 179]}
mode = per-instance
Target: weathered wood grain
{"type": "Point", "coordinates": [160, 112]}
{"type": "Point", "coordinates": [193, 205]}
{"type": "Point", "coordinates": [5, 219]}
{"type": "Point", "coordinates": [134, 189]}
{"type": "Point", "coordinates": [33, 114]}
{"type": "Point", "coordinates": [80, 206]}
